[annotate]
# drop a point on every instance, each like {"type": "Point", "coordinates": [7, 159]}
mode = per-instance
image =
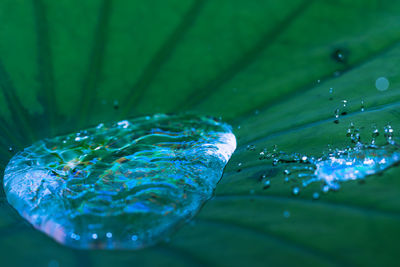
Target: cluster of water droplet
{"type": "Point", "coordinates": [334, 166]}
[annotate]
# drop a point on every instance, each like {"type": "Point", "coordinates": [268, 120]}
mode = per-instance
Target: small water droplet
{"type": "Point", "coordinates": [344, 109]}
{"type": "Point", "coordinates": [295, 191]}
{"type": "Point", "coordinates": [325, 188]}
{"type": "Point", "coordinates": [340, 55]}
{"type": "Point", "coordinates": [10, 149]}
{"type": "Point", "coordinates": [336, 113]}
{"type": "Point", "coordinates": [108, 235]}
{"type": "Point", "coordinates": [318, 81]}
{"type": "Point", "coordinates": [287, 172]}
{"type": "Point", "coordinates": [375, 132]}
{"type": "Point", "coordinates": [389, 134]}
{"type": "Point", "coordinates": [251, 147]}
{"type": "Point", "coordinates": [362, 106]}
{"type": "Point", "coordinates": [267, 184]}
{"type": "Point", "coordinates": [382, 83]}
{"type": "Point", "coordinates": [331, 93]}
{"type": "Point", "coordinates": [337, 73]}
{"type": "Point", "coordinates": [286, 214]}
{"type": "Point", "coordinates": [315, 195]}
{"type": "Point", "coordinates": [239, 167]}
{"type": "Point", "coordinates": [116, 104]}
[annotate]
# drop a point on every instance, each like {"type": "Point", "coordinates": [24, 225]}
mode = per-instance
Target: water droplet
{"type": "Point", "coordinates": [325, 188]}
{"type": "Point", "coordinates": [344, 108]}
{"type": "Point", "coordinates": [315, 195]}
{"type": "Point", "coordinates": [286, 214]}
{"type": "Point", "coordinates": [382, 83]}
{"type": "Point", "coordinates": [331, 93]}
{"type": "Point", "coordinates": [251, 147]}
{"type": "Point", "coordinates": [144, 179]}
{"type": "Point", "coordinates": [389, 134]}
{"type": "Point", "coordinates": [267, 184]}
{"type": "Point", "coordinates": [340, 55]}
{"type": "Point", "coordinates": [287, 172]}
{"type": "Point", "coordinates": [318, 81]}
{"type": "Point", "coordinates": [239, 166]}
{"type": "Point", "coordinates": [295, 191]}
{"type": "Point", "coordinates": [337, 73]}
{"type": "Point", "coordinates": [362, 106]}
{"type": "Point", "coordinates": [10, 149]}
{"type": "Point", "coordinates": [375, 134]}
{"type": "Point", "coordinates": [274, 148]}
{"type": "Point", "coordinates": [116, 104]}
{"type": "Point", "coordinates": [336, 113]}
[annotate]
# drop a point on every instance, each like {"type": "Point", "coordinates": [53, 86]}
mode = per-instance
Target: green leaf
{"type": "Point", "coordinates": [66, 65]}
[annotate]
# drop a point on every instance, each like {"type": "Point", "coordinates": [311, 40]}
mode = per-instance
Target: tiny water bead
{"type": "Point", "coordinates": [382, 83]}
{"type": "Point", "coordinates": [340, 55]}
{"type": "Point", "coordinates": [362, 106]}
{"type": "Point", "coordinates": [125, 185]}
{"type": "Point", "coordinates": [331, 93]}
{"type": "Point", "coordinates": [286, 214]}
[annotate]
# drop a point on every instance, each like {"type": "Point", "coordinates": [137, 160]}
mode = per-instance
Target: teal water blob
{"type": "Point", "coordinates": [125, 185]}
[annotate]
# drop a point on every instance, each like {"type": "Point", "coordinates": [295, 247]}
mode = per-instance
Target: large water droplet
{"type": "Point", "coordinates": [382, 83]}
{"type": "Point", "coordinates": [124, 185]}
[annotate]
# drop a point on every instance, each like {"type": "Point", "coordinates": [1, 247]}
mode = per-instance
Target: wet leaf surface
{"type": "Point", "coordinates": [67, 65]}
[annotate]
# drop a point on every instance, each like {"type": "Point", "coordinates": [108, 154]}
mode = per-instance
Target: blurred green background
{"type": "Point", "coordinates": [265, 67]}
